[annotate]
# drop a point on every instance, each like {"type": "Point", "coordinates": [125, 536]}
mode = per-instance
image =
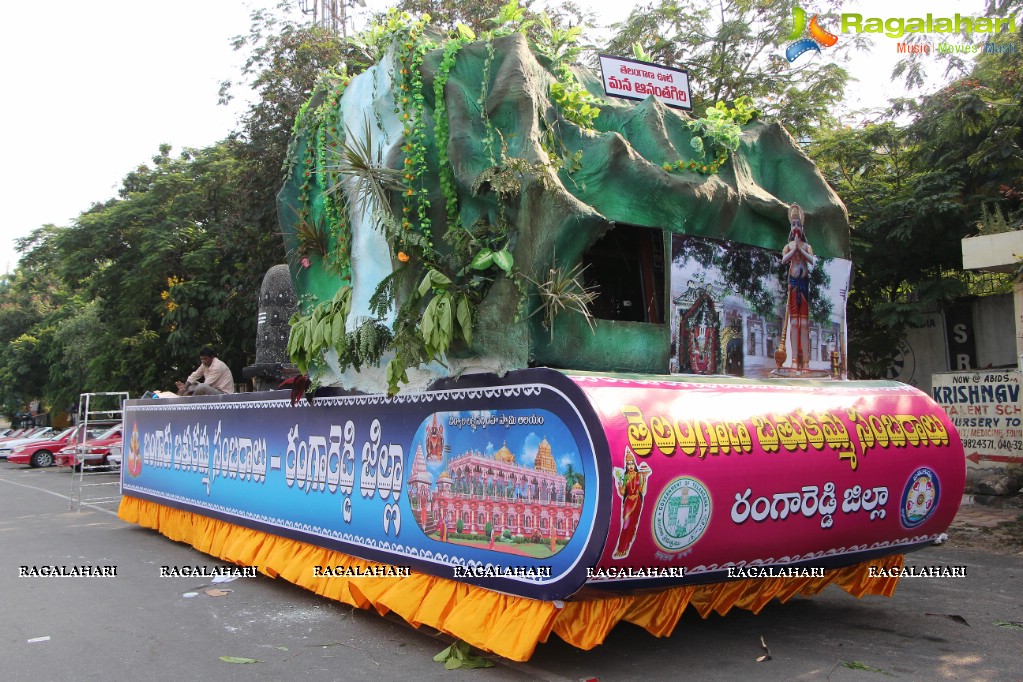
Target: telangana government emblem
{"type": "Point", "coordinates": [682, 514]}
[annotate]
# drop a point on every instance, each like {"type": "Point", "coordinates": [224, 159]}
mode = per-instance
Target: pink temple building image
{"type": "Point", "coordinates": [530, 510]}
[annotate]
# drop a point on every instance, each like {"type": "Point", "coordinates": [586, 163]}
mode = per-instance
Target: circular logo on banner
{"type": "Point", "coordinates": [682, 514]}
{"type": "Point", "coordinates": [920, 498]}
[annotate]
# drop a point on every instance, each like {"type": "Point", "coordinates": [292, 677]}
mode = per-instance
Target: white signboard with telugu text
{"type": "Point", "coordinates": [633, 79]}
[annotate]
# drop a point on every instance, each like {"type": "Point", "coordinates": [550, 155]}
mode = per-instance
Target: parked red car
{"type": "Point", "coordinates": [8, 445]}
{"type": "Point", "coordinates": [39, 453]}
{"type": "Point", "coordinates": [93, 452]}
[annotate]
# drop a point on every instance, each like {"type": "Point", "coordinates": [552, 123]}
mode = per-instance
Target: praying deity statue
{"type": "Point", "coordinates": [799, 258]}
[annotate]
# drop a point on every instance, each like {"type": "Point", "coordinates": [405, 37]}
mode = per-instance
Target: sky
{"type": "Point", "coordinates": [93, 89]}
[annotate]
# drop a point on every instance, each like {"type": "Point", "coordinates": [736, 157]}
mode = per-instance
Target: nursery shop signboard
{"type": "Point", "coordinates": [986, 409]}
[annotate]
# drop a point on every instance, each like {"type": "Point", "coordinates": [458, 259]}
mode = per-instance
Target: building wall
{"type": "Point", "coordinates": [976, 334]}
{"type": "Point", "coordinates": [922, 353]}
{"type": "Point", "coordinates": [995, 331]}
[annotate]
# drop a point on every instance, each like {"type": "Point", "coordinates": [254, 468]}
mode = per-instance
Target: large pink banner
{"type": "Point", "coordinates": [718, 479]}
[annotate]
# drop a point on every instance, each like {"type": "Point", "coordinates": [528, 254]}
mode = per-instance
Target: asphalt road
{"type": "Point", "coordinates": [138, 625]}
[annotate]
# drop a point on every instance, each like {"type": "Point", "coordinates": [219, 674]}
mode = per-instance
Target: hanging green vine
{"type": "Point", "coordinates": [441, 125]}
{"type": "Point", "coordinates": [324, 134]}
{"type": "Point", "coordinates": [438, 313]}
{"type": "Point", "coordinates": [481, 101]}
{"type": "Point", "coordinates": [408, 106]}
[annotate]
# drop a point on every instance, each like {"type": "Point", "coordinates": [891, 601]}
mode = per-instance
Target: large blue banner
{"type": "Point", "coordinates": [490, 481]}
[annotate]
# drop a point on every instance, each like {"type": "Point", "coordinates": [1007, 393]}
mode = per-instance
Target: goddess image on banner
{"type": "Point", "coordinates": [631, 485]}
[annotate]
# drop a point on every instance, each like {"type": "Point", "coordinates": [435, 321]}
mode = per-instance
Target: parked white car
{"type": "Point", "coordinates": [8, 445]}
{"type": "Point", "coordinates": [114, 457]}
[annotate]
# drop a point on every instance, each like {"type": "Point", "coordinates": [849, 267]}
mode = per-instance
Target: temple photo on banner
{"type": "Point", "coordinates": [508, 481]}
{"type": "Point", "coordinates": [740, 310]}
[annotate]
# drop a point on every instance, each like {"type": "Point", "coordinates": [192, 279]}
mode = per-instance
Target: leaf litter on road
{"type": "Point", "coordinates": [459, 655]}
{"type": "Point", "coordinates": [767, 652]}
{"type": "Point", "coordinates": [856, 665]}
{"type": "Point", "coordinates": [1012, 625]}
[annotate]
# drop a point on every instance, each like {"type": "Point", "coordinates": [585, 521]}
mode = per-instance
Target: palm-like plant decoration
{"type": "Point", "coordinates": [358, 167]}
{"type": "Point", "coordinates": [564, 290]}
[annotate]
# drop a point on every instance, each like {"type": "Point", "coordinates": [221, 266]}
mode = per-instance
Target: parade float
{"type": "Point", "coordinates": [576, 359]}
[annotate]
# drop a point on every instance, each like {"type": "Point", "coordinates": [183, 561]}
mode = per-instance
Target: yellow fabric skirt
{"type": "Point", "coordinates": [506, 625]}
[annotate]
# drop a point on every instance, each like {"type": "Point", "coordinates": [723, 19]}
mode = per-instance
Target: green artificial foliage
{"type": "Point", "coordinates": [509, 156]}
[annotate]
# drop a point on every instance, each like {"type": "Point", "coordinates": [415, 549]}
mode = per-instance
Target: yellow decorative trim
{"type": "Point", "coordinates": [500, 623]}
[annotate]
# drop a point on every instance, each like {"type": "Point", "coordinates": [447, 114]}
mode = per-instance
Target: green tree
{"type": "Point", "coordinates": [906, 223]}
{"type": "Point", "coordinates": [734, 48]}
{"type": "Point", "coordinates": [78, 342]}
{"type": "Point", "coordinates": [169, 266]}
{"type": "Point", "coordinates": [480, 15]}
{"type": "Point", "coordinates": [915, 191]}
{"type": "Point", "coordinates": [175, 261]}
{"type": "Point", "coordinates": [915, 69]}
{"type": "Point", "coordinates": [284, 56]}
{"type": "Point", "coordinates": [32, 302]}
{"type": "Point", "coordinates": [446, 14]}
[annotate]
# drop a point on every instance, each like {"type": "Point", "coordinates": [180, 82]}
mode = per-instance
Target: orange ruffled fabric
{"type": "Point", "coordinates": [506, 625]}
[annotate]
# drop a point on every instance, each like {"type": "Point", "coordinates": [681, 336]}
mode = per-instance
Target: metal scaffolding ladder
{"type": "Point", "coordinates": [94, 484]}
